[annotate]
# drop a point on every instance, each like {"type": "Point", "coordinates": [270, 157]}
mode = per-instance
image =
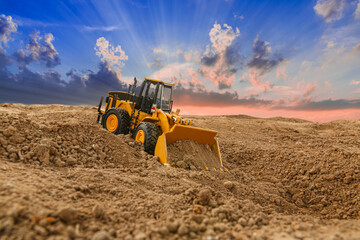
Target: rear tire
{"type": "Point", "coordinates": [116, 120]}
{"type": "Point", "coordinates": [149, 134]}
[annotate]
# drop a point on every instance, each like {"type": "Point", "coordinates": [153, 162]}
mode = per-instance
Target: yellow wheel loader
{"type": "Point", "coordinates": [148, 116]}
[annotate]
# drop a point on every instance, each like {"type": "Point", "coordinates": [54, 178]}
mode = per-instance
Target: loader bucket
{"type": "Point", "coordinates": [182, 132]}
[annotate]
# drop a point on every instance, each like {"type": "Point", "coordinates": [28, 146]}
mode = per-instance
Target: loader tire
{"type": "Point", "coordinates": [147, 133]}
{"type": "Point", "coordinates": [116, 120]}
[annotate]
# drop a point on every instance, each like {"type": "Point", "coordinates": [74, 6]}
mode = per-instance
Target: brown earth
{"type": "Point", "coordinates": [189, 154]}
{"type": "Point", "coordinates": [64, 177]}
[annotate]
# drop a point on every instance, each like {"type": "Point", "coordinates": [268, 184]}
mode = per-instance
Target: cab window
{"type": "Point", "coordinates": [166, 99]}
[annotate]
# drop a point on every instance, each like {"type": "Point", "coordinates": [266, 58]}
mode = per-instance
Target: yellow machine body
{"type": "Point", "coordinates": [173, 128]}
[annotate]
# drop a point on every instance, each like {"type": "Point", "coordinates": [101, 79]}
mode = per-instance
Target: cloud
{"type": "Point", "coordinates": [330, 10]}
{"type": "Point", "coordinates": [179, 74]}
{"type": "Point", "coordinates": [84, 87]}
{"type": "Point", "coordinates": [104, 78]}
{"type": "Point", "coordinates": [357, 48]}
{"type": "Point", "coordinates": [29, 22]}
{"type": "Point", "coordinates": [238, 17]}
{"type": "Point", "coordinates": [261, 61]}
{"type": "Point", "coordinates": [115, 57]}
{"type": "Point", "coordinates": [357, 11]}
{"type": "Point", "coordinates": [204, 98]}
{"type": "Point", "coordinates": [255, 80]}
{"type": "Point", "coordinates": [353, 82]}
{"type": "Point", "coordinates": [329, 104]}
{"type": "Point", "coordinates": [190, 56]}
{"type": "Point", "coordinates": [210, 60]}
{"type": "Point", "coordinates": [158, 50]}
{"type": "Point", "coordinates": [331, 44]}
{"type": "Point", "coordinates": [39, 49]}
{"type": "Point", "coordinates": [220, 58]}
{"type": "Point", "coordinates": [7, 26]}
{"type": "Point", "coordinates": [100, 28]}
{"type": "Point", "coordinates": [309, 89]}
{"type": "Point", "coordinates": [49, 87]}
{"type": "Point", "coordinates": [157, 56]}
{"type": "Point", "coordinates": [156, 63]}
{"type": "Point", "coordinates": [161, 57]}
{"type": "Point", "coordinates": [281, 73]}
{"type": "Point", "coordinates": [5, 60]}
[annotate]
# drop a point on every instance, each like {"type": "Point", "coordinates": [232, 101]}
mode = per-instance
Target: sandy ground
{"type": "Point", "coordinates": [64, 177]}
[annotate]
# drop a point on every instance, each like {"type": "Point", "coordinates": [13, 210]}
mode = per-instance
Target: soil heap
{"type": "Point", "coordinates": [64, 177]}
{"type": "Point", "coordinates": [188, 154]}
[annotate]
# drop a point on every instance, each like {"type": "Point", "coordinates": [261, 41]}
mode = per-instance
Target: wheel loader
{"type": "Point", "coordinates": [149, 118]}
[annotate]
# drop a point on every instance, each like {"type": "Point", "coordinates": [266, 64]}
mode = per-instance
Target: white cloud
{"type": "Point", "coordinates": [39, 49]}
{"type": "Point", "coordinates": [357, 12]}
{"type": "Point", "coordinates": [7, 26]}
{"type": "Point", "coordinates": [115, 57]}
{"type": "Point", "coordinates": [222, 38]}
{"type": "Point", "coordinates": [158, 50]}
{"type": "Point", "coordinates": [330, 10]}
{"type": "Point", "coordinates": [100, 28]}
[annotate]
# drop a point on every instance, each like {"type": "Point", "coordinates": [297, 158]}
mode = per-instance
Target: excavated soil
{"type": "Point", "coordinates": [64, 177]}
{"type": "Point", "coordinates": [188, 154]}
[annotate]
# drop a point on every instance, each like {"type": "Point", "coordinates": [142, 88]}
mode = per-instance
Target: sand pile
{"type": "Point", "coordinates": [188, 154]}
{"type": "Point", "coordinates": [112, 189]}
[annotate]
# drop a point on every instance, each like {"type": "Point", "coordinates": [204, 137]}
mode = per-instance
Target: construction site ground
{"type": "Point", "coordinates": [64, 177]}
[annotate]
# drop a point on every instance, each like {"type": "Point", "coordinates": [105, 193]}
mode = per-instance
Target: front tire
{"type": "Point", "coordinates": [116, 120]}
{"type": "Point", "coordinates": [147, 133]}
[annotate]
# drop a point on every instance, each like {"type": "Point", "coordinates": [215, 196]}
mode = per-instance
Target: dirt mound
{"type": "Point", "coordinates": [55, 137]}
{"type": "Point", "coordinates": [317, 165]}
{"type": "Point", "coordinates": [188, 154]}
{"type": "Point", "coordinates": [64, 177]}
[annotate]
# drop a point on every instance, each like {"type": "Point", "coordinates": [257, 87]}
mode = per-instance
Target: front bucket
{"type": "Point", "coordinates": [182, 132]}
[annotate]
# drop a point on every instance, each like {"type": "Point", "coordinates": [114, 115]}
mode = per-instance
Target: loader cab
{"type": "Point", "coordinates": [154, 92]}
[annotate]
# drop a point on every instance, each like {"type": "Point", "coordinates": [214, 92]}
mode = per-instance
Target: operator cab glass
{"type": "Point", "coordinates": [147, 96]}
{"type": "Point", "coordinates": [166, 101]}
{"type": "Point", "coordinates": [152, 91]}
{"type": "Point", "coordinates": [163, 99]}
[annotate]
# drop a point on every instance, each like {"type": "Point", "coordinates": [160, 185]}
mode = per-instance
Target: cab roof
{"type": "Point", "coordinates": [149, 79]}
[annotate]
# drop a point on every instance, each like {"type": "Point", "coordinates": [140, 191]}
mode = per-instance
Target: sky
{"type": "Point", "coordinates": [261, 58]}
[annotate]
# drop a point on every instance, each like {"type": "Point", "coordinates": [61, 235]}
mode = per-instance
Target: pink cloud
{"type": "Point", "coordinates": [216, 65]}
{"type": "Point", "coordinates": [255, 80]}
{"type": "Point", "coordinates": [353, 82]}
{"type": "Point", "coordinates": [309, 89]}
{"type": "Point", "coordinates": [194, 77]}
{"type": "Point", "coordinates": [280, 73]}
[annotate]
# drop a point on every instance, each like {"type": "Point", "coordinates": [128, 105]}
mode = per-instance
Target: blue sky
{"type": "Point", "coordinates": [259, 55]}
